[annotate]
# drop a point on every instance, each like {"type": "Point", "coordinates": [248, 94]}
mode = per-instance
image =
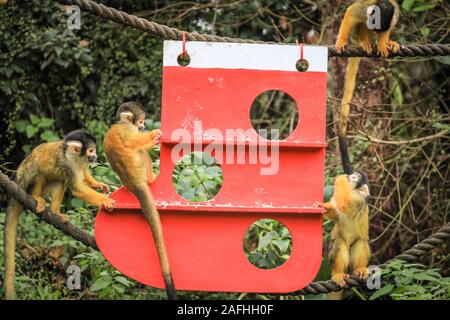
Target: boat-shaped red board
{"type": "Point", "coordinates": [206, 107]}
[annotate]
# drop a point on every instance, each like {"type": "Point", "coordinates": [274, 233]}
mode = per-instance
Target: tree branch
{"type": "Point", "coordinates": [12, 190]}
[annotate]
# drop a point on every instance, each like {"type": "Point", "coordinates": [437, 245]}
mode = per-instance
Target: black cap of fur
{"type": "Point", "coordinates": [134, 107]}
{"type": "Point", "coordinates": [84, 137]}
{"type": "Point", "coordinates": [363, 179]}
{"type": "Point", "coordinates": [387, 11]}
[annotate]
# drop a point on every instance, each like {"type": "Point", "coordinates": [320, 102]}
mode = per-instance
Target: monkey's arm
{"type": "Point", "coordinates": [331, 212]}
{"type": "Point", "coordinates": [37, 192]}
{"type": "Point", "coordinates": [348, 23]}
{"type": "Point", "coordinates": [86, 193]}
{"type": "Point", "coordinates": [90, 180]}
{"type": "Point", "coordinates": [343, 194]}
{"type": "Point", "coordinates": [141, 140]}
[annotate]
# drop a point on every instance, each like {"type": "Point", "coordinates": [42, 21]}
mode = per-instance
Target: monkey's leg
{"type": "Point", "coordinates": [339, 261]}
{"type": "Point", "coordinates": [364, 39]}
{"type": "Point", "coordinates": [56, 192]}
{"type": "Point", "coordinates": [346, 27]}
{"type": "Point", "coordinates": [384, 44]}
{"type": "Point", "coordinates": [37, 193]}
{"type": "Point", "coordinates": [359, 257]}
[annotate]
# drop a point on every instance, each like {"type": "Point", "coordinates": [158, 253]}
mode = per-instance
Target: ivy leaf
{"type": "Point", "coordinates": [31, 131]}
{"type": "Point", "coordinates": [101, 284]}
{"type": "Point", "coordinates": [381, 292]}
{"type": "Point", "coordinates": [21, 125]}
{"type": "Point", "coordinates": [45, 122]}
{"type": "Point", "coordinates": [49, 136]}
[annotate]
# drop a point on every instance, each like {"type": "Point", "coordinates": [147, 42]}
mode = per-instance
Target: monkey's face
{"type": "Point", "coordinates": [91, 153]}
{"type": "Point", "coordinates": [140, 124]}
{"type": "Point", "coordinates": [359, 181]}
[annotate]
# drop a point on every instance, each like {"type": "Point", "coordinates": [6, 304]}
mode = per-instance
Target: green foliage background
{"type": "Point", "coordinates": [53, 80]}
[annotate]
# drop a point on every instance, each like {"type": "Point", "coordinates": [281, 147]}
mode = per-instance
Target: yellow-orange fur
{"type": "Point", "coordinates": [127, 151]}
{"type": "Point", "coordinates": [46, 172]}
{"type": "Point", "coordinates": [350, 236]}
{"type": "Point", "coordinates": [354, 28]}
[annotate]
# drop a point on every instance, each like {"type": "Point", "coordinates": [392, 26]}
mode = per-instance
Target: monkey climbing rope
{"type": "Point", "coordinates": [170, 33]}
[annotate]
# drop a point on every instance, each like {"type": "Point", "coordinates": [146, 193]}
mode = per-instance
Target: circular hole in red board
{"type": "Point", "coordinates": [267, 244]}
{"type": "Point", "coordinates": [274, 115]}
{"type": "Point", "coordinates": [197, 177]}
{"type": "Point", "coordinates": [184, 59]}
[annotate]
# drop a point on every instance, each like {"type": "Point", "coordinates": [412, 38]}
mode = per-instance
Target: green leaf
{"type": "Point", "coordinates": [266, 239]}
{"type": "Point", "coordinates": [441, 126]}
{"type": "Point", "coordinates": [424, 7]}
{"type": "Point", "coordinates": [100, 284]}
{"type": "Point", "coordinates": [381, 292]}
{"type": "Point", "coordinates": [48, 136]}
{"type": "Point", "coordinates": [407, 5]}
{"type": "Point", "coordinates": [123, 281]}
{"type": "Point", "coordinates": [31, 131]}
{"type": "Point", "coordinates": [34, 119]}
{"type": "Point", "coordinates": [21, 125]}
{"type": "Point", "coordinates": [45, 122]}
{"type": "Point", "coordinates": [283, 245]}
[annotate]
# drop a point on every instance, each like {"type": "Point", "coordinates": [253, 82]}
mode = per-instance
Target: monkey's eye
{"type": "Point", "coordinates": [354, 177]}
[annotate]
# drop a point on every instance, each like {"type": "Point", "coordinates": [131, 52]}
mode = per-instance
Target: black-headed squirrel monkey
{"type": "Point", "coordinates": [46, 172]}
{"type": "Point", "coordinates": [349, 210]}
{"type": "Point", "coordinates": [126, 146]}
{"type": "Point", "coordinates": [355, 27]}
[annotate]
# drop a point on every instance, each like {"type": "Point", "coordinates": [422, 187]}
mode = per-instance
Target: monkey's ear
{"type": "Point", "coordinates": [126, 116]}
{"type": "Point", "coordinates": [74, 147]}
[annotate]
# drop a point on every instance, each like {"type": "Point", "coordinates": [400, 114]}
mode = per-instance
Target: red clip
{"type": "Point", "coordinates": [301, 48]}
{"type": "Point", "coordinates": [184, 44]}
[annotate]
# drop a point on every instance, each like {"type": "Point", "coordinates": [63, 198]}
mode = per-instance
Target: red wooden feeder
{"type": "Point", "coordinates": [204, 239]}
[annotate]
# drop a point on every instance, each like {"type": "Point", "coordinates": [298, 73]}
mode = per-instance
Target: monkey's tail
{"type": "Point", "coordinates": [12, 216]}
{"type": "Point", "coordinates": [349, 87]}
{"type": "Point", "coordinates": [151, 214]}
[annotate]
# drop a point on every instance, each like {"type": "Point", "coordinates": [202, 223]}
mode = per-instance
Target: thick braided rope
{"type": "Point", "coordinates": [165, 32]}
{"type": "Point", "coordinates": [410, 255]}
{"type": "Point", "coordinates": [12, 190]}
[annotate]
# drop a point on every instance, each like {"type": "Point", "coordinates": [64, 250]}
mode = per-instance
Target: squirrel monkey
{"type": "Point", "coordinates": [47, 171]}
{"type": "Point", "coordinates": [357, 25]}
{"type": "Point", "coordinates": [126, 146]}
{"type": "Point", "coordinates": [350, 235]}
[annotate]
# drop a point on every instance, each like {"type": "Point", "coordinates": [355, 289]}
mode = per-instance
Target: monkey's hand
{"type": "Point", "coordinates": [362, 273]}
{"type": "Point", "coordinates": [367, 46]}
{"type": "Point", "coordinates": [109, 204]}
{"type": "Point", "coordinates": [340, 45]}
{"type": "Point", "coordinates": [64, 217]}
{"type": "Point", "coordinates": [339, 279]}
{"type": "Point", "coordinates": [41, 203]}
{"type": "Point", "coordinates": [104, 187]}
{"type": "Point", "coordinates": [393, 46]}
{"type": "Point", "coordinates": [157, 134]}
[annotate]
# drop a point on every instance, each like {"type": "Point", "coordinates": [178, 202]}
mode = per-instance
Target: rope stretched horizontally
{"type": "Point", "coordinates": [14, 191]}
{"type": "Point", "coordinates": [168, 33]}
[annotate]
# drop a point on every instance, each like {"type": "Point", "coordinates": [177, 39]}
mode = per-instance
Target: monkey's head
{"type": "Point", "coordinates": [132, 112]}
{"type": "Point", "coordinates": [386, 10]}
{"type": "Point", "coordinates": [359, 181]}
{"type": "Point", "coordinates": [80, 145]}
